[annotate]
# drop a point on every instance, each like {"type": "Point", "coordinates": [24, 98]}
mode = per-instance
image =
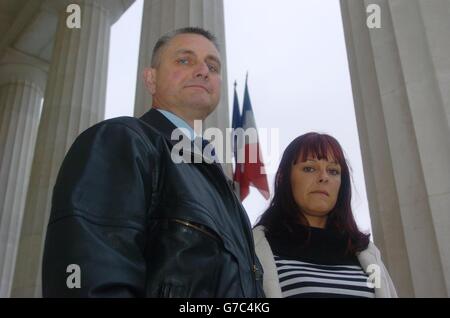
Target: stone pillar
{"type": "Point", "coordinates": [401, 87]}
{"type": "Point", "coordinates": [162, 16]}
{"type": "Point", "coordinates": [22, 85]}
{"type": "Point", "coordinates": [74, 101]}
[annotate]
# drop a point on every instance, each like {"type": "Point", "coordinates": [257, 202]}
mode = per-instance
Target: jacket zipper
{"type": "Point", "coordinates": [254, 268]}
{"type": "Point", "coordinates": [197, 228]}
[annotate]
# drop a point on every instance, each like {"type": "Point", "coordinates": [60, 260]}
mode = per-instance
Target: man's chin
{"type": "Point", "coordinates": [201, 106]}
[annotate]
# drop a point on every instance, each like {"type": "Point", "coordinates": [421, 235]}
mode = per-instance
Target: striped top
{"type": "Point", "coordinates": [313, 262]}
{"type": "Point", "coordinates": [304, 279]}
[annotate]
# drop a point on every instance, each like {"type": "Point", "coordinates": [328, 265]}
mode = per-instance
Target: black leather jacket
{"type": "Point", "coordinates": [139, 225]}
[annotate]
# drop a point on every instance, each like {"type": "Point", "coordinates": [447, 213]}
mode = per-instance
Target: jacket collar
{"type": "Point", "coordinates": [158, 121]}
{"type": "Point", "coordinates": [370, 257]}
{"type": "Point", "coordinates": [271, 282]}
{"type": "Point", "coordinates": [367, 257]}
{"type": "Point", "coordinates": [165, 127]}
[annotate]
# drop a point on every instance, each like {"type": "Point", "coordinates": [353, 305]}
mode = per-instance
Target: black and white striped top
{"type": "Point", "coordinates": [304, 279]}
{"type": "Point", "coordinates": [319, 266]}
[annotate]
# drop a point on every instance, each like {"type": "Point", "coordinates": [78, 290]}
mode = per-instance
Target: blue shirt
{"type": "Point", "coordinates": [181, 123]}
{"type": "Point", "coordinates": [178, 122]}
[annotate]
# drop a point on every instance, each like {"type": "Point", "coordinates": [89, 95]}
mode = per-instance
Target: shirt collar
{"type": "Point", "coordinates": [178, 122]}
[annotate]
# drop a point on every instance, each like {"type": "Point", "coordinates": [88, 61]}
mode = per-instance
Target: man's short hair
{"type": "Point", "coordinates": [162, 41]}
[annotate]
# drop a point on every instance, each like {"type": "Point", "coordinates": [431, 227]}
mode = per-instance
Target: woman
{"type": "Point", "coordinates": [307, 240]}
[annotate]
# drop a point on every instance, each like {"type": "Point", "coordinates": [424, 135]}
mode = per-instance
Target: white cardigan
{"type": "Point", "coordinates": [271, 283]}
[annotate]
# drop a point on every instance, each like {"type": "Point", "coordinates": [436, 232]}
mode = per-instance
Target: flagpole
{"type": "Point", "coordinates": [236, 123]}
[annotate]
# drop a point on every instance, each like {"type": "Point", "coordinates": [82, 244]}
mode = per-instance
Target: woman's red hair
{"type": "Point", "coordinates": [283, 210]}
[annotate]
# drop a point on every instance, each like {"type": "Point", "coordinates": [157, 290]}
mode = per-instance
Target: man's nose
{"type": "Point", "coordinates": [201, 70]}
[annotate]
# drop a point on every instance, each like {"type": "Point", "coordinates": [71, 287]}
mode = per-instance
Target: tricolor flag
{"type": "Point", "coordinates": [250, 173]}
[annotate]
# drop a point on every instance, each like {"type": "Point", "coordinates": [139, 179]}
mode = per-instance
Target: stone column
{"type": "Point", "coordinates": [162, 16]}
{"type": "Point", "coordinates": [22, 85]}
{"type": "Point", "coordinates": [74, 101]}
{"type": "Point", "coordinates": [401, 87]}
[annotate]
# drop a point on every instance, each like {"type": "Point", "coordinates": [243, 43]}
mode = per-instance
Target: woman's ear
{"type": "Point", "coordinates": [149, 75]}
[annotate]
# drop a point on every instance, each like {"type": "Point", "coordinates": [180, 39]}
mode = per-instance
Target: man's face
{"type": "Point", "coordinates": [187, 79]}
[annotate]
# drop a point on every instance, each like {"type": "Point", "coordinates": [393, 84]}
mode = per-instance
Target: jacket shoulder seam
{"type": "Point", "coordinates": [130, 128]}
{"type": "Point", "coordinates": [101, 221]}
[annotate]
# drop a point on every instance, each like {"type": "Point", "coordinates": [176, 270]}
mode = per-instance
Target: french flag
{"type": "Point", "coordinates": [249, 173]}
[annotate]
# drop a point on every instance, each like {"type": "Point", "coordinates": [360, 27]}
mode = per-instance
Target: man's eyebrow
{"type": "Point", "coordinates": [184, 51]}
{"type": "Point", "coordinates": [190, 52]}
{"type": "Point", "coordinates": [214, 58]}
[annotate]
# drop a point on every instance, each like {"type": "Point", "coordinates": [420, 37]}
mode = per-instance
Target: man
{"type": "Point", "coordinates": [128, 221]}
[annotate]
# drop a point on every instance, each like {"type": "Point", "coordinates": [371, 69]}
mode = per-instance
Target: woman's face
{"type": "Point", "coordinates": [315, 187]}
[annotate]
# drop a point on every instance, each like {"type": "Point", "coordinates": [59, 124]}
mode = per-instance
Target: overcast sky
{"type": "Point", "coordinates": [299, 79]}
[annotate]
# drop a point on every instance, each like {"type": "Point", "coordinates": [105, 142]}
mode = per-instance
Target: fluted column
{"type": "Point", "coordinates": [401, 90]}
{"type": "Point", "coordinates": [22, 85]}
{"type": "Point", "coordinates": [162, 16]}
{"type": "Point", "coordinates": [74, 101]}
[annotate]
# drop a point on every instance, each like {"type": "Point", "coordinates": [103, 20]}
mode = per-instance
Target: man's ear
{"type": "Point", "coordinates": [150, 79]}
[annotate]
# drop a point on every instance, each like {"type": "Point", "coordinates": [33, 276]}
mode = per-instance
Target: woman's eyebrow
{"type": "Point", "coordinates": [314, 160]}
